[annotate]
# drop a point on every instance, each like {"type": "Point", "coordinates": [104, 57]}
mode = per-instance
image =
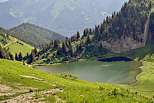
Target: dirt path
{"type": "Point", "coordinates": [30, 97]}
{"type": "Point", "coordinates": [15, 40]}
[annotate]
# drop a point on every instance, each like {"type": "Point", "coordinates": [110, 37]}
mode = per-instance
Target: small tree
{"type": "Point", "coordinates": [20, 58]}
{"type": "Point", "coordinates": [16, 56]}
{"type": "Point", "coordinates": [56, 44]}
{"type": "Point", "coordinates": [35, 51]}
{"type": "Point", "coordinates": [64, 48]}
{"type": "Point", "coordinates": [11, 56]}
{"type": "Point", "coordinates": [1, 52]}
{"type": "Point", "coordinates": [78, 35]}
{"type": "Point", "coordinates": [88, 39]}
{"type": "Point", "coordinates": [59, 51]}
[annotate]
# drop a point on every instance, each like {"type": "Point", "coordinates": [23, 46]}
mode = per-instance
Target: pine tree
{"type": "Point", "coordinates": [80, 48]}
{"type": "Point", "coordinates": [71, 52]}
{"type": "Point", "coordinates": [11, 56]}
{"type": "Point", "coordinates": [35, 51]}
{"type": "Point", "coordinates": [64, 48]}
{"type": "Point", "coordinates": [16, 56]}
{"type": "Point", "coordinates": [67, 41]}
{"type": "Point", "coordinates": [88, 39]}
{"type": "Point", "coordinates": [85, 32]}
{"type": "Point", "coordinates": [20, 58]}
{"type": "Point", "coordinates": [59, 51]}
{"type": "Point", "coordinates": [31, 57]}
{"type": "Point", "coordinates": [27, 55]}
{"type": "Point", "coordinates": [78, 35]}
{"type": "Point", "coordinates": [56, 44]}
{"type": "Point", "coordinates": [1, 52]}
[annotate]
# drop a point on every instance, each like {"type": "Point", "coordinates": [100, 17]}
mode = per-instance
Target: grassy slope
{"type": "Point", "coordinates": [74, 91]}
{"type": "Point", "coordinates": [18, 47]}
{"type": "Point", "coordinates": [145, 84]}
{"type": "Point", "coordinates": [14, 45]}
{"type": "Point", "coordinates": [4, 39]}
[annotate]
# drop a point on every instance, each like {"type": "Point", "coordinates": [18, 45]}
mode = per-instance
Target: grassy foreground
{"type": "Point", "coordinates": [17, 79]}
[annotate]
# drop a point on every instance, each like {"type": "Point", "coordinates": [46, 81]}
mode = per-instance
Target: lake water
{"type": "Point", "coordinates": [97, 71]}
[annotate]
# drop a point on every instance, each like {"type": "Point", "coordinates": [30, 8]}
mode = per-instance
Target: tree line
{"type": "Point", "coordinates": [5, 54]}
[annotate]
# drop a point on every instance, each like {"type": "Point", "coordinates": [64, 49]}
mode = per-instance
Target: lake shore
{"type": "Point", "coordinates": [98, 59]}
{"type": "Point", "coordinates": [144, 84]}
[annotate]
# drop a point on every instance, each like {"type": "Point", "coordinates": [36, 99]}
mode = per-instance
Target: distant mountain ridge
{"type": "Point", "coordinates": [34, 35]}
{"type": "Point", "coordinates": [63, 16]}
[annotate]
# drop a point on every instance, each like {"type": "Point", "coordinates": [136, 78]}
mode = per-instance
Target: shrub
{"type": "Point", "coordinates": [68, 76]}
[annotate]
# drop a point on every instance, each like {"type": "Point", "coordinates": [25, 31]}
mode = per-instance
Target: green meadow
{"type": "Point", "coordinates": [145, 84]}
{"type": "Point", "coordinates": [18, 47]}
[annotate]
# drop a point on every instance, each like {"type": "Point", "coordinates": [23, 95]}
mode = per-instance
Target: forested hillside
{"type": "Point", "coordinates": [127, 29]}
{"type": "Point", "coordinates": [125, 32]}
{"type": "Point", "coordinates": [34, 35]}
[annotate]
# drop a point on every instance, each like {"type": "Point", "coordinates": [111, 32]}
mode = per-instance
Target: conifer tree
{"type": "Point", "coordinates": [11, 56]}
{"type": "Point", "coordinates": [78, 35]}
{"type": "Point", "coordinates": [59, 52]}
{"type": "Point", "coordinates": [16, 56]}
{"type": "Point", "coordinates": [88, 39]}
{"type": "Point", "coordinates": [1, 52]}
{"type": "Point", "coordinates": [56, 44]}
{"type": "Point", "coordinates": [64, 48]}
{"type": "Point", "coordinates": [20, 58]}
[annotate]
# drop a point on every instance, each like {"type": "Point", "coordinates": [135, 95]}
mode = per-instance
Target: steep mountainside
{"type": "Point", "coordinates": [127, 29]}
{"type": "Point", "coordinates": [63, 16]}
{"type": "Point", "coordinates": [127, 32]}
{"type": "Point", "coordinates": [34, 35]}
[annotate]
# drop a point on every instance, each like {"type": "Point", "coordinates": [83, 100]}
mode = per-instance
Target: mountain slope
{"type": "Point", "coordinates": [5, 38]}
{"type": "Point", "coordinates": [126, 30]}
{"type": "Point", "coordinates": [20, 83]}
{"type": "Point", "coordinates": [124, 33]}
{"type": "Point", "coordinates": [34, 35]}
{"type": "Point", "coordinates": [12, 44]}
{"type": "Point", "coordinates": [62, 16]}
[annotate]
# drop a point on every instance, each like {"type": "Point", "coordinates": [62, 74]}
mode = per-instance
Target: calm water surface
{"type": "Point", "coordinates": [96, 71]}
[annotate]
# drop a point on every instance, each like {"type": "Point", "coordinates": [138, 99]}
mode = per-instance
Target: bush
{"type": "Point", "coordinates": [68, 76]}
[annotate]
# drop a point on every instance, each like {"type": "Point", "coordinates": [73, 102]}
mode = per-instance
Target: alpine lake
{"type": "Point", "coordinates": [115, 72]}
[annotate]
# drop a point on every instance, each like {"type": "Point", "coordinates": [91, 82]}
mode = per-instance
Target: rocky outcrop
{"type": "Point", "coordinates": [127, 43]}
